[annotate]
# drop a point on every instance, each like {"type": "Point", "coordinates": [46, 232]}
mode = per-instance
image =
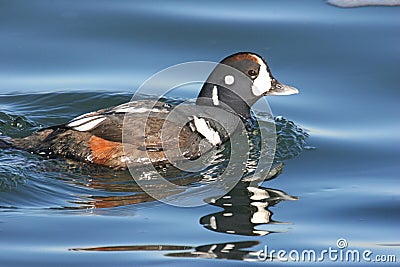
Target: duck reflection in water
{"type": "Point", "coordinates": [244, 208]}
{"type": "Point", "coordinates": [232, 251]}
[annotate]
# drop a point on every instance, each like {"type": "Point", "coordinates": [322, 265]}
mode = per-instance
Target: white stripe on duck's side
{"type": "Point", "coordinates": [129, 108]}
{"type": "Point", "coordinates": [83, 119]}
{"type": "Point", "coordinates": [207, 131]}
{"type": "Point", "coordinates": [138, 110]}
{"type": "Point", "coordinates": [215, 95]}
{"type": "Point", "coordinates": [86, 123]}
{"type": "Point", "coordinates": [89, 121]}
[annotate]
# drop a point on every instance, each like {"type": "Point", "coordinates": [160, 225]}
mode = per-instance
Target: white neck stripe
{"type": "Point", "coordinates": [215, 95]}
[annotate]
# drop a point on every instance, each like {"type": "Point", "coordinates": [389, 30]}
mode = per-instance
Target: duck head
{"type": "Point", "coordinates": [239, 81]}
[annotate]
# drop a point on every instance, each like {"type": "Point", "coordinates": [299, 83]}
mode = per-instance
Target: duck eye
{"type": "Point", "coordinates": [252, 73]}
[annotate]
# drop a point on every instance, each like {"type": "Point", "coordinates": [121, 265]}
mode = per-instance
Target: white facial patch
{"type": "Point", "coordinates": [262, 83]}
{"type": "Point", "coordinates": [207, 131]}
{"type": "Point", "coordinates": [215, 95]}
{"type": "Point", "coordinates": [229, 79]}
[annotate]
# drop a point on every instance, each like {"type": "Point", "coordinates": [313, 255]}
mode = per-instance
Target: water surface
{"type": "Point", "coordinates": [61, 59]}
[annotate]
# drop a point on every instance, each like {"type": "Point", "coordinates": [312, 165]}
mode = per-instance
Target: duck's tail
{"type": "Point", "coordinates": [6, 143]}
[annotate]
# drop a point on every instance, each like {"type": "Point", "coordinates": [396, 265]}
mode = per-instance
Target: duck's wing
{"type": "Point", "coordinates": [108, 123]}
{"type": "Point", "coordinates": [149, 129]}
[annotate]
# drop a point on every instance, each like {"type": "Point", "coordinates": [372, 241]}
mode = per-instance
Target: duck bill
{"type": "Point", "coordinates": [278, 88]}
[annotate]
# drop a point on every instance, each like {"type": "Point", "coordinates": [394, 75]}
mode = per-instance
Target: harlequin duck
{"type": "Point", "coordinates": [96, 137]}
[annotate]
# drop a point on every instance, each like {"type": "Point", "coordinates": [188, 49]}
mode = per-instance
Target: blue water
{"type": "Point", "coordinates": [60, 59]}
